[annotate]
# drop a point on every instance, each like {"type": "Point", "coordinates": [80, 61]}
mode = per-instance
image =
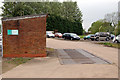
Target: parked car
{"type": "Point", "coordinates": [112, 36]}
{"type": "Point", "coordinates": [92, 37]}
{"type": "Point", "coordinates": [116, 39]}
{"type": "Point", "coordinates": [63, 36]}
{"type": "Point", "coordinates": [71, 36]}
{"type": "Point", "coordinates": [101, 36]}
{"type": "Point", "coordinates": [59, 35]}
{"type": "Point", "coordinates": [50, 35]}
{"type": "Point", "coordinates": [88, 36]}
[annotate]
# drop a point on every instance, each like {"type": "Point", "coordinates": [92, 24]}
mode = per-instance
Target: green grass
{"type": "Point", "coordinates": [18, 61]}
{"type": "Point", "coordinates": [82, 36]}
{"type": "Point", "coordinates": [50, 49]}
{"type": "Point", "coordinates": [115, 45]}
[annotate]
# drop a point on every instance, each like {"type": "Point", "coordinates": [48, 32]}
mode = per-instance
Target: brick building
{"type": "Point", "coordinates": [24, 36]}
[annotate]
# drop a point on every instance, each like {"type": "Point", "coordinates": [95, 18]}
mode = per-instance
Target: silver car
{"type": "Point", "coordinates": [116, 39]}
{"type": "Point", "coordinates": [102, 36]}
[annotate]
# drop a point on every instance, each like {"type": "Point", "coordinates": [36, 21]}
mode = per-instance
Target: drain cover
{"type": "Point", "coordinates": [78, 56]}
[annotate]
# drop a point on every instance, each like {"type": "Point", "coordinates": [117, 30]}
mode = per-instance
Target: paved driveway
{"type": "Point", "coordinates": [50, 67]}
{"type": "Point", "coordinates": [108, 53]}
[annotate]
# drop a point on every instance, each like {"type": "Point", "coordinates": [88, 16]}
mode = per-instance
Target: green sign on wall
{"type": "Point", "coordinates": [12, 32]}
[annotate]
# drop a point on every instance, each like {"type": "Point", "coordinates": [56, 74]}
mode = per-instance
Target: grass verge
{"type": "Point", "coordinates": [115, 45]}
{"type": "Point", "coordinates": [10, 63]}
{"type": "Point", "coordinates": [82, 36]}
{"type": "Point", "coordinates": [18, 61]}
{"type": "Point", "coordinates": [50, 51]}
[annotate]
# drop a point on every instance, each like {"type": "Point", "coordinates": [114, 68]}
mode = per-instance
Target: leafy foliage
{"type": "Point", "coordinates": [110, 24]}
{"type": "Point", "coordinates": [13, 9]}
{"type": "Point", "coordinates": [105, 27]}
{"type": "Point", "coordinates": [63, 25]}
{"type": "Point", "coordinates": [64, 17]}
{"type": "Point", "coordinates": [117, 30]}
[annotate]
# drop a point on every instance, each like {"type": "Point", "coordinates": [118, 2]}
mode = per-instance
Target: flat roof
{"type": "Point", "coordinates": [23, 17]}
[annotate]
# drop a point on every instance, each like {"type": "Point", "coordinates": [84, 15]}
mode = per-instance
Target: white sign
{"type": "Point", "coordinates": [14, 32]}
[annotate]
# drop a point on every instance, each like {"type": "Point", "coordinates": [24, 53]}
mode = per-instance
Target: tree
{"type": "Point", "coordinates": [64, 17]}
{"type": "Point", "coordinates": [13, 9]}
{"type": "Point", "coordinates": [112, 18]}
{"type": "Point", "coordinates": [117, 29]}
{"type": "Point", "coordinates": [71, 11]}
{"type": "Point", "coordinates": [106, 27]}
{"type": "Point", "coordinates": [63, 25]}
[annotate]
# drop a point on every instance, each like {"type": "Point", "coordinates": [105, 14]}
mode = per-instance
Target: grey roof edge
{"type": "Point", "coordinates": [23, 17]}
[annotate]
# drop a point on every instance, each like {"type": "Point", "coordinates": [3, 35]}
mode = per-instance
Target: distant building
{"type": "Point", "coordinates": [24, 36]}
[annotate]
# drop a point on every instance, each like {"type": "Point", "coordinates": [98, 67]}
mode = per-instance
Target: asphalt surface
{"type": "Point", "coordinates": [78, 56]}
{"type": "Point", "coordinates": [82, 40]}
{"type": "Point", "coordinates": [51, 67]}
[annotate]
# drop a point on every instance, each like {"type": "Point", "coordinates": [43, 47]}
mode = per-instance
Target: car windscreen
{"type": "Point", "coordinates": [73, 34]}
{"type": "Point", "coordinates": [59, 33]}
{"type": "Point", "coordinates": [102, 34]}
{"type": "Point", "coordinates": [49, 33]}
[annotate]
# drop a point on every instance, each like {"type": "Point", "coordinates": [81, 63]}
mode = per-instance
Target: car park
{"type": "Point", "coordinates": [59, 35]}
{"type": "Point", "coordinates": [50, 35]}
{"type": "Point", "coordinates": [88, 36]}
{"type": "Point", "coordinates": [71, 36]}
{"type": "Point", "coordinates": [116, 39]}
{"type": "Point", "coordinates": [101, 36]}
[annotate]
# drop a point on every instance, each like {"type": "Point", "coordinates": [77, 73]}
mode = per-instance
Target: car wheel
{"type": "Point", "coordinates": [48, 37]}
{"type": "Point", "coordinates": [97, 39]}
{"type": "Point", "coordinates": [116, 41]}
{"type": "Point", "coordinates": [71, 38]}
{"type": "Point", "coordinates": [107, 39]}
{"type": "Point", "coordinates": [64, 38]}
{"type": "Point", "coordinates": [92, 39]}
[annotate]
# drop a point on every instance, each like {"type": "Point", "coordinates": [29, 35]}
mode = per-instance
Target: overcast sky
{"type": "Point", "coordinates": [93, 10]}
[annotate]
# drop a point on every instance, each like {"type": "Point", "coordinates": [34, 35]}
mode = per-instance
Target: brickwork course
{"type": "Point", "coordinates": [31, 38]}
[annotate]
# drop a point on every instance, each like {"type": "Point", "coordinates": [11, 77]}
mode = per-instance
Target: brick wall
{"type": "Point", "coordinates": [31, 40]}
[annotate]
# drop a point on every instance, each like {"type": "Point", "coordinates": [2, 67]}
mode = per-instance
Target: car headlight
{"type": "Point", "coordinates": [74, 37]}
